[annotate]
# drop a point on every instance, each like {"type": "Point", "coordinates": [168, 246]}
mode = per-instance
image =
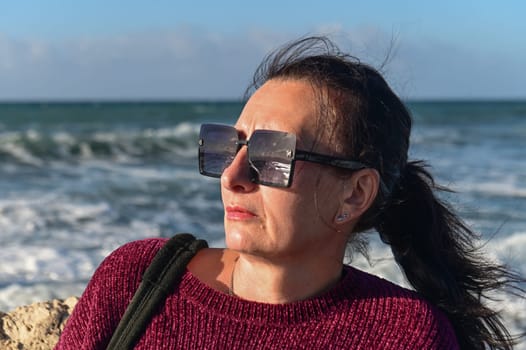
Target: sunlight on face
{"type": "Point", "coordinates": [277, 221]}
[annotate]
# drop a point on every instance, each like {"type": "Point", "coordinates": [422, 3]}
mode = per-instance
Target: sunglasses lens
{"type": "Point", "coordinates": [217, 148]}
{"type": "Point", "coordinates": [270, 154]}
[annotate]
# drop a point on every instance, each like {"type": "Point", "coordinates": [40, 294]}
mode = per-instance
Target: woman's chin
{"type": "Point", "coordinates": [242, 242]}
{"type": "Point", "coordinates": [235, 240]}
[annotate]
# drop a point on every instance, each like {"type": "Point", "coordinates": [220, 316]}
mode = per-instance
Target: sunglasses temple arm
{"type": "Point", "coordinates": [328, 160]}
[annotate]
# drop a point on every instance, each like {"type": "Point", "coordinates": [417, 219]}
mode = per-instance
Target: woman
{"type": "Point", "coordinates": [318, 155]}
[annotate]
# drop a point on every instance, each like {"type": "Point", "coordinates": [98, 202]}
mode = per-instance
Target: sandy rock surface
{"type": "Point", "coordinates": [36, 326]}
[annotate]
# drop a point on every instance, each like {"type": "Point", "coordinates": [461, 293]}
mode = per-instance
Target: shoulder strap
{"type": "Point", "coordinates": [158, 281]}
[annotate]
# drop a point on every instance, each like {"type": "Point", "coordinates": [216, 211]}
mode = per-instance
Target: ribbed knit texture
{"type": "Point", "coordinates": [361, 312]}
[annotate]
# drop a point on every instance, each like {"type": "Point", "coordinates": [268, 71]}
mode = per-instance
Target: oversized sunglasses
{"type": "Point", "coordinates": [271, 154]}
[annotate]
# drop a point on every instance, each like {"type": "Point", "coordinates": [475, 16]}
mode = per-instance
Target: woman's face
{"type": "Point", "coordinates": [282, 222]}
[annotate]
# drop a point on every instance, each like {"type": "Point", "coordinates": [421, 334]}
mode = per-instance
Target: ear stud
{"type": "Point", "coordinates": [342, 217]}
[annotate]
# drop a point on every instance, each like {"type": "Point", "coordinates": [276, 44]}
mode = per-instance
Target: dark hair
{"type": "Point", "coordinates": [434, 248]}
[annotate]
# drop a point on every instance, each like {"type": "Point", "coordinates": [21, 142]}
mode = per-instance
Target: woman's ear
{"type": "Point", "coordinates": [359, 193]}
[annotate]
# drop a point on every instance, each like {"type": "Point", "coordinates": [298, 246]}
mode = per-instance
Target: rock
{"type": "Point", "coordinates": [36, 326]}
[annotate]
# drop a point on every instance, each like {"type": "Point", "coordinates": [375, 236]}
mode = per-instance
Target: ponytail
{"type": "Point", "coordinates": [435, 250]}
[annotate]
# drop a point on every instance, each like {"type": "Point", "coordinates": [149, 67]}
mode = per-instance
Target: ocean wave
{"type": "Point", "coordinates": [37, 148]}
{"type": "Point", "coordinates": [509, 186]}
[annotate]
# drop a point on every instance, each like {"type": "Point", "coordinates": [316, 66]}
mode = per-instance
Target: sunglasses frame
{"type": "Point", "coordinates": [296, 154]}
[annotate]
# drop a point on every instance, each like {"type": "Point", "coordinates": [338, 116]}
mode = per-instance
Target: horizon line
{"type": "Point", "coordinates": [232, 100]}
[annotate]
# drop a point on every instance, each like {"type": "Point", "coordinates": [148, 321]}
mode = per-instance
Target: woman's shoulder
{"type": "Point", "coordinates": [126, 264]}
{"type": "Point", "coordinates": [398, 310]}
{"type": "Point", "coordinates": [374, 288]}
{"type": "Point", "coordinates": [130, 258]}
{"type": "Point", "coordinates": [140, 251]}
{"type": "Point", "coordinates": [107, 294]}
{"type": "Point", "coordinates": [393, 299]}
{"type": "Point", "coordinates": [371, 285]}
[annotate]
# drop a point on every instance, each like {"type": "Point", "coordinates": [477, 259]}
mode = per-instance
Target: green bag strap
{"type": "Point", "coordinates": [158, 281]}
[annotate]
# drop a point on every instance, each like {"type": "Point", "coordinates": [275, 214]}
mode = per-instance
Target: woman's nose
{"type": "Point", "coordinates": [237, 176]}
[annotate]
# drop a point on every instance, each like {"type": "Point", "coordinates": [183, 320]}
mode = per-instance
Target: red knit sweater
{"type": "Point", "coordinates": [361, 312]}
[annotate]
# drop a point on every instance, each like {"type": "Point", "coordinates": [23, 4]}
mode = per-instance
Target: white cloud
{"type": "Point", "coordinates": [441, 69]}
{"type": "Point", "coordinates": [188, 62]}
{"type": "Point", "coordinates": [181, 63]}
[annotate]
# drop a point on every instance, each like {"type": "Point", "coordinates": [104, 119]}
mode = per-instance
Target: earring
{"type": "Point", "coordinates": [342, 217]}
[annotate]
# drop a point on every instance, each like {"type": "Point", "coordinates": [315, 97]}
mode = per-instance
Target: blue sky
{"type": "Point", "coordinates": [58, 49]}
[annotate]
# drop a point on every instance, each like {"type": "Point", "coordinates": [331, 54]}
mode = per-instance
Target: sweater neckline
{"type": "Point", "coordinates": [199, 293]}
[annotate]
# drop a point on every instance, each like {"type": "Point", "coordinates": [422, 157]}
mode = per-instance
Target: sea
{"type": "Point", "coordinates": [79, 179]}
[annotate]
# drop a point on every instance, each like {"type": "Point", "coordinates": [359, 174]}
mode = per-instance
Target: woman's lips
{"type": "Point", "coordinates": [238, 213]}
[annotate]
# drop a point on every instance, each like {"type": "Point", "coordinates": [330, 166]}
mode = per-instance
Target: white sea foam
{"type": "Point", "coordinates": [15, 294]}
{"type": "Point", "coordinates": [510, 250]}
{"type": "Point", "coordinates": [506, 187]}
{"type": "Point", "coordinates": [63, 137]}
{"type": "Point", "coordinates": [29, 273]}
{"type": "Point", "coordinates": [21, 154]}
{"type": "Point", "coordinates": [22, 217]}
{"type": "Point", "coordinates": [180, 131]}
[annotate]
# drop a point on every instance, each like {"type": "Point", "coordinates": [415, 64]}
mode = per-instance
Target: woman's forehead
{"type": "Point", "coordinates": [283, 105]}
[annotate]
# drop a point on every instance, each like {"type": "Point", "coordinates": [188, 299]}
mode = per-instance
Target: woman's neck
{"type": "Point", "coordinates": [261, 280]}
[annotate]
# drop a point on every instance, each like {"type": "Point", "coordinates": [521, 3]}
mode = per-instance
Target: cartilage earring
{"type": "Point", "coordinates": [342, 217]}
